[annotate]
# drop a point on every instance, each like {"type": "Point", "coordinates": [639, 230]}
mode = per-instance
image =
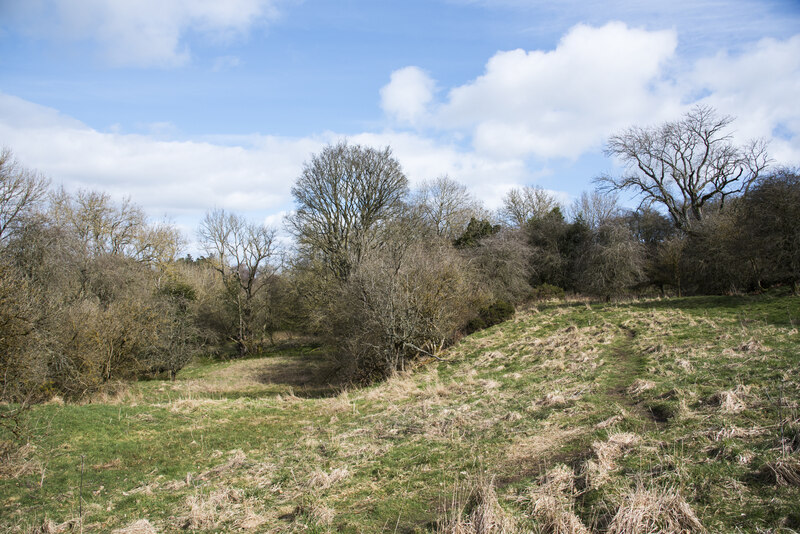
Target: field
{"type": "Point", "coordinates": [652, 416]}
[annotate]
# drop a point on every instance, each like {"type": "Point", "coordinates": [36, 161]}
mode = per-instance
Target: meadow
{"type": "Point", "coordinates": [665, 415]}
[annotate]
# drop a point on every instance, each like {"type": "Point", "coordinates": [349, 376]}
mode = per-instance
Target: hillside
{"type": "Point", "coordinates": [662, 415]}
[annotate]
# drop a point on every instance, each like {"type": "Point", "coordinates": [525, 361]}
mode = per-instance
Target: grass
{"type": "Point", "coordinates": [662, 415]}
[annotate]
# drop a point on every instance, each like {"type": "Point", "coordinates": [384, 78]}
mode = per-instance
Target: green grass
{"type": "Point", "coordinates": [706, 386]}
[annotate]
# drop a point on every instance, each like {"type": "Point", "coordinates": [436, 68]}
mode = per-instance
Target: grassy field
{"type": "Point", "coordinates": [654, 416]}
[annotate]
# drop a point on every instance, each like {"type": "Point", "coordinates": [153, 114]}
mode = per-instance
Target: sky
{"type": "Point", "coordinates": [190, 105]}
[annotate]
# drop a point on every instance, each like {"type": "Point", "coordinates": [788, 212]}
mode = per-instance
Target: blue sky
{"type": "Point", "coordinates": [185, 105]}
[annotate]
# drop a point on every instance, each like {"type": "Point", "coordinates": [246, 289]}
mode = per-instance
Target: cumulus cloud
{"type": "Point", "coordinates": [144, 33]}
{"type": "Point", "coordinates": [563, 102]}
{"type": "Point", "coordinates": [250, 173]}
{"type": "Point", "coordinates": [407, 94]}
{"type": "Point", "coordinates": [760, 88]}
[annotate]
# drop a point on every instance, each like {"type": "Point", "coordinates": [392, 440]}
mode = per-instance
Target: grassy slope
{"type": "Point", "coordinates": [682, 396]}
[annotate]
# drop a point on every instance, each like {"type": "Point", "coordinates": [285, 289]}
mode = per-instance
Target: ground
{"type": "Point", "coordinates": [652, 416]}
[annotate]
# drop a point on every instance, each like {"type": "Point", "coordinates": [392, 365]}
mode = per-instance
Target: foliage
{"type": "Point", "coordinates": [476, 231]}
{"type": "Point", "coordinates": [243, 253]}
{"type": "Point", "coordinates": [495, 313]}
{"type": "Point", "coordinates": [547, 292]}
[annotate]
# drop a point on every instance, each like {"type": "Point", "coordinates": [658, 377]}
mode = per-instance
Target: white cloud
{"type": "Point", "coordinates": [407, 94]}
{"type": "Point", "coordinates": [143, 33]}
{"type": "Point", "coordinates": [761, 89]}
{"type": "Point", "coordinates": [249, 174]}
{"type": "Point", "coordinates": [563, 102]}
{"type": "Point", "coordinates": [175, 177]}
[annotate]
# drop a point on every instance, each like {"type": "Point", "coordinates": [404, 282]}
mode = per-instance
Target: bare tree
{"type": "Point", "coordinates": [446, 206]}
{"type": "Point", "coordinates": [241, 253]}
{"type": "Point", "coordinates": [21, 190]}
{"type": "Point", "coordinates": [523, 204]}
{"type": "Point", "coordinates": [685, 164]}
{"type": "Point", "coordinates": [595, 208]}
{"type": "Point", "coordinates": [343, 196]}
{"type": "Point", "coordinates": [399, 306]}
{"type": "Point", "coordinates": [612, 261]}
{"type": "Point", "coordinates": [103, 227]}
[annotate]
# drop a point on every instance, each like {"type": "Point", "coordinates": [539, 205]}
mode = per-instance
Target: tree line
{"type": "Point", "coordinates": [92, 291]}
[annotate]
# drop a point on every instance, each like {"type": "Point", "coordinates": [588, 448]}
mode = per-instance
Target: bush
{"type": "Point", "coordinates": [496, 313]}
{"type": "Point", "coordinates": [547, 292]}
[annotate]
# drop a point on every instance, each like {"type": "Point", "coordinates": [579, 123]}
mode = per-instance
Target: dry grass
{"type": "Point", "coordinates": [17, 461]}
{"type": "Point", "coordinates": [236, 460]}
{"type": "Point", "coordinates": [783, 471]}
{"type": "Point", "coordinates": [320, 480]}
{"type": "Point", "coordinates": [551, 503]}
{"type": "Point", "coordinates": [474, 509]}
{"type": "Point", "coordinates": [654, 511]}
{"type": "Point", "coordinates": [597, 471]}
{"type": "Point", "coordinates": [209, 511]}
{"type": "Point", "coordinates": [141, 526]}
{"type": "Point", "coordinates": [639, 386]}
{"type": "Point", "coordinates": [732, 400]}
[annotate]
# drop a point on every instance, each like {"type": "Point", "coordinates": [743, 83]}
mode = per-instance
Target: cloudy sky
{"type": "Point", "coordinates": [186, 105]}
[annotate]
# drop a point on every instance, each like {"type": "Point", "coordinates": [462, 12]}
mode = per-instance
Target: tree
{"type": "Point", "coordinates": [685, 164]}
{"type": "Point", "coordinates": [771, 223]}
{"type": "Point", "coordinates": [21, 190]}
{"type": "Point", "coordinates": [241, 254]}
{"type": "Point", "coordinates": [595, 208]}
{"type": "Point", "coordinates": [102, 227]}
{"type": "Point", "coordinates": [343, 197]}
{"type": "Point", "coordinates": [401, 304]}
{"type": "Point", "coordinates": [611, 262]}
{"type": "Point", "coordinates": [446, 206]}
{"type": "Point", "coordinates": [475, 231]}
{"type": "Point", "coordinates": [522, 205]}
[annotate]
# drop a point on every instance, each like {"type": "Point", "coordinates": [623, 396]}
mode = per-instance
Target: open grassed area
{"type": "Point", "coordinates": [652, 416]}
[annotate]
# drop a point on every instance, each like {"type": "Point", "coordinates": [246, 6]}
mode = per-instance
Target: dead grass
{"type": "Point", "coordinates": [529, 450]}
{"type": "Point", "coordinates": [731, 400]}
{"type": "Point", "coordinates": [639, 386]}
{"type": "Point", "coordinates": [597, 471]}
{"type": "Point", "coordinates": [551, 503]}
{"type": "Point", "coordinates": [783, 471]}
{"type": "Point", "coordinates": [236, 460]}
{"type": "Point", "coordinates": [208, 511]}
{"type": "Point", "coordinates": [654, 511]}
{"type": "Point", "coordinates": [474, 509]}
{"type": "Point", "coordinates": [18, 460]}
{"type": "Point", "coordinates": [141, 526]}
{"type": "Point", "coordinates": [320, 480]}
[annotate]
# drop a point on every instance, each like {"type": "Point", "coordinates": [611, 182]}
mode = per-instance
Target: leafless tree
{"type": "Point", "coordinates": [446, 206]}
{"type": "Point", "coordinates": [595, 208]}
{"type": "Point", "coordinates": [242, 252]}
{"type": "Point", "coordinates": [21, 190]}
{"type": "Point", "coordinates": [104, 227]}
{"type": "Point", "coordinates": [343, 197]}
{"type": "Point", "coordinates": [396, 307]}
{"type": "Point", "coordinates": [612, 261]}
{"type": "Point", "coordinates": [523, 204]}
{"type": "Point", "coordinates": [685, 164]}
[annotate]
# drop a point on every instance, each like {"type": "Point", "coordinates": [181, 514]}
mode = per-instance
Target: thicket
{"type": "Point", "coordinates": [91, 291]}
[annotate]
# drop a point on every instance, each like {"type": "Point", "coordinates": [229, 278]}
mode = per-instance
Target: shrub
{"type": "Point", "coordinates": [547, 292]}
{"type": "Point", "coordinates": [496, 313]}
